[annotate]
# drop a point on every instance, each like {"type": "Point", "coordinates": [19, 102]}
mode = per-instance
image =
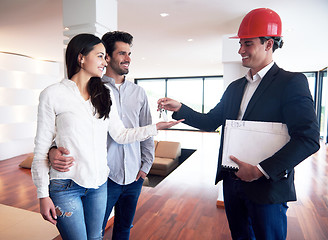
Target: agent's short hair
{"type": "Point", "coordinates": [277, 42]}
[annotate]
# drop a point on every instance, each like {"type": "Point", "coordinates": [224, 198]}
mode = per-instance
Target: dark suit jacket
{"type": "Point", "coordinates": [281, 97]}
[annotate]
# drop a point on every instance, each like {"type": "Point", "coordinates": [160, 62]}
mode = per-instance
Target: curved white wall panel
{"type": "Point", "coordinates": [16, 147]}
{"type": "Point", "coordinates": [17, 131]}
{"type": "Point", "coordinates": [18, 114]}
{"type": "Point", "coordinates": [11, 96]}
{"type": "Point", "coordinates": [21, 81]}
{"type": "Point", "coordinates": [15, 62]}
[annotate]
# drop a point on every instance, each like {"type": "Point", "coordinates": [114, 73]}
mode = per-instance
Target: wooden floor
{"type": "Point", "coordinates": [183, 205]}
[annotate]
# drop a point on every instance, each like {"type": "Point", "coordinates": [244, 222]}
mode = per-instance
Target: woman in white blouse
{"type": "Point", "coordinates": [77, 113]}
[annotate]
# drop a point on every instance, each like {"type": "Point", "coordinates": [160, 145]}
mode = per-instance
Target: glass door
{"type": "Point", "coordinates": [324, 105]}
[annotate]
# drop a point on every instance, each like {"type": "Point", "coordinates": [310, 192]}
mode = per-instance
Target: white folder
{"type": "Point", "coordinates": [251, 141]}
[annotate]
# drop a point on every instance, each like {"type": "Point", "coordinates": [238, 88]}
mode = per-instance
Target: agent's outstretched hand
{"type": "Point", "coordinates": [168, 104]}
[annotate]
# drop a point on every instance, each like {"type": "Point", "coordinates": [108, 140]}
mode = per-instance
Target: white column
{"type": "Point", "coordinates": [232, 70]}
{"type": "Point", "coordinates": [89, 16]}
{"type": "Point", "coordinates": [232, 67]}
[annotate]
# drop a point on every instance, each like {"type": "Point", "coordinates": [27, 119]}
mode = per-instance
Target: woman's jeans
{"type": "Point", "coordinates": [80, 211]}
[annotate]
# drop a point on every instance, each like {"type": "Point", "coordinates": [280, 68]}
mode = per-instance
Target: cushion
{"type": "Point", "coordinates": [27, 162]}
{"type": "Point", "coordinates": [163, 163]}
{"type": "Point", "coordinates": [167, 149]}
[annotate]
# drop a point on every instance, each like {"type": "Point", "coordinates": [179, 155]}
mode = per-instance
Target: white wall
{"type": "Point", "coordinates": [21, 81]}
{"type": "Point", "coordinates": [33, 28]}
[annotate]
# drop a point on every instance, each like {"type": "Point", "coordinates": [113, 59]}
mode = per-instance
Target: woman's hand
{"type": "Point", "coordinates": [47, 210]}
{"type": "Point", "coordinates": [166, 125]}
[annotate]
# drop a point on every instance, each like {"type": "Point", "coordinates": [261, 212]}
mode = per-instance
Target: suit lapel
{"type": "Point", "coordinates": [265, 83]}
{"type": "Point", "coordinates": [237, 97]}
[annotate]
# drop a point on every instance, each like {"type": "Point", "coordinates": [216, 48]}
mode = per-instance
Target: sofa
{"type": "Point", "coordinates": [167, 155]}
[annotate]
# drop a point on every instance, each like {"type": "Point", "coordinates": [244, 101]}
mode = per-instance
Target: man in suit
{"type": "Point", "coordinates": [256, 197]}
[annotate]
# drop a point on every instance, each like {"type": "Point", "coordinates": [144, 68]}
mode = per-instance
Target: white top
{"type": "Point", "coordinates": [251, 86]}
{"type": "Point", "coordinates": [64, 116]}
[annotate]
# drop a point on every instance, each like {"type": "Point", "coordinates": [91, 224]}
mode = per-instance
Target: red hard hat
{"type": "Point", "coordinates": [261, 22]}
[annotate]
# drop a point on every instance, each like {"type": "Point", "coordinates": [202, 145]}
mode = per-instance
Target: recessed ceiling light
{"type": "Point", "coordinates": [164, 14]}
{"type": "Point", "coordinates": [66, 28]}
{"type": "Point", "coordinates": [190, 40]}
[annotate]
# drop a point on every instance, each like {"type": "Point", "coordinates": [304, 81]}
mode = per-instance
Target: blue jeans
{"type": "Point", "coordinates": [249, 220]}
{"type": "Point", "coordinates": [124, 198]}
{"type": "Point", "coordinates": [80, 211]}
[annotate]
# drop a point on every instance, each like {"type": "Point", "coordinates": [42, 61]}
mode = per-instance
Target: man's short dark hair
{"type": "Point", "coordinates": [110, 38]}
{"type": "Point", "coordinates": [277, 42]}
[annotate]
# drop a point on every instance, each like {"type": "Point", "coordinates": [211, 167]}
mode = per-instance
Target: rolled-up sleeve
{"type": "Point", "coordinates": [124, 135]}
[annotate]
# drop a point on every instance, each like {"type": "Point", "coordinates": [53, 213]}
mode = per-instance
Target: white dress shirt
{"type": "Point", "coordinates": [64, 116]}
{"type": "Point", "coordinates": [250, 88]}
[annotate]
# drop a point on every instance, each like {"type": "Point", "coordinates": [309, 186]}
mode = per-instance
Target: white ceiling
{"type": "Point", "coordinates": [161, 48]}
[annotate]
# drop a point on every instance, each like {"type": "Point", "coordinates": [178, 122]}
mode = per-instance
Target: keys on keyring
{"type": "Point", "coordinates": [163, 114]}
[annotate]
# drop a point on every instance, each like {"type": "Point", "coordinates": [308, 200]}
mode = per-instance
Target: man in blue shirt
{"type": "Point", "coordinates": [128, 163]}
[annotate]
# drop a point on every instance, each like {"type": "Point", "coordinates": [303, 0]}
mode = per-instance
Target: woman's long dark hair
{"type": "Point", "coordinates": [99, 94]}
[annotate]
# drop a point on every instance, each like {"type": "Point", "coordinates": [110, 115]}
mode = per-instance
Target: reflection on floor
{"type": "Point", "coordinates": [154, 180]}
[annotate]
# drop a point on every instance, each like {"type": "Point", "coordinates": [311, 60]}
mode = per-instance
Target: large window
{"type": "Point", "coordinates": [155, 89]}
{"type": "Point", "coordinates": [322, 110]}
{"type": "Point", "coordinates": [311, 76]}
{"type": "Point", "coordinates": [199, 93]}
{"type": "Point", "coordinates": [318, 84]}
{"type": "Point", "coordinates": [203, 93]}
{"type": "Point", "coordinates": [213, 91]}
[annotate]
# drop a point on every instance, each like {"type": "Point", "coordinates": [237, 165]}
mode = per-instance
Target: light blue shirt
{"type": "Point", "coordinates": [125, 160]}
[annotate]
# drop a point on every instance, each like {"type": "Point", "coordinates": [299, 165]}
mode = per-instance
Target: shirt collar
{"type": "Point", "coordinates": [260, 74]}
{"type": "Point", "coordinates": [71, 85]}
{"type": "Point", "coordinates": [110, 80]}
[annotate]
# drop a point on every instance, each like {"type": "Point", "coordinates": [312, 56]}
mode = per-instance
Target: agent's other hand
{"type": "Point", "coordinates": [246, 172]}
{"type": "Point", "coordinates": [166, 125]}
{"type": "Point", "coordinates": [168, 104]}
{"type": "Point", "coordinates": [60, 162]}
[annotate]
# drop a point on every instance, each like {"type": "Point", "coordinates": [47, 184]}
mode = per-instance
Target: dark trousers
{"type": "Point", "coordinates": [249, 220]}
{"type": "Point", "coordinates": [124, 198]}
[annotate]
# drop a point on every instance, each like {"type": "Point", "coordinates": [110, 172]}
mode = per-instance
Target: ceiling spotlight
{"type": "Point", "coordinates": [190, 40]}
{"type": "Point", "coordinates": [164, 14]}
